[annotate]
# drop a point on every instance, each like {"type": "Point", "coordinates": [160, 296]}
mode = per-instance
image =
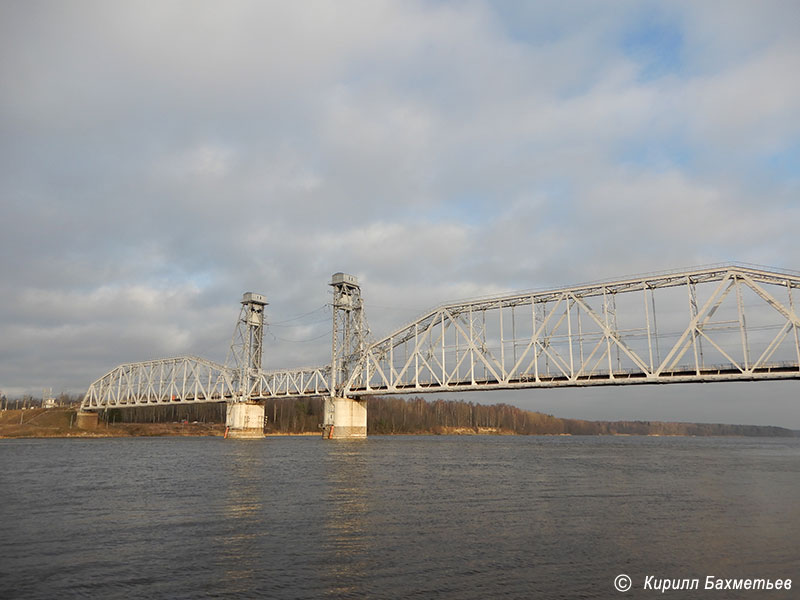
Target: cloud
{"type": "Point", "coordinates": [752, 105]}
{"type": "Point", "coordinates": [159, 160]}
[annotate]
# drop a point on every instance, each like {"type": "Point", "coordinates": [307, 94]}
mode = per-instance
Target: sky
{"type": "Point", "coordinates": [158, 159]}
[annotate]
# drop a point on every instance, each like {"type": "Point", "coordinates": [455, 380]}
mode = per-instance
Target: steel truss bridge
{"type": "Point", "coordinates": [722, 323]}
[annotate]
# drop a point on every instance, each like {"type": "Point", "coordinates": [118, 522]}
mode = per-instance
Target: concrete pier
{"type": "Point", "coordinates": [244, 420]}
{"type": "Point", "coordinates": [349, 419]}
{"type": "Point", "coordinates": [86, 420]}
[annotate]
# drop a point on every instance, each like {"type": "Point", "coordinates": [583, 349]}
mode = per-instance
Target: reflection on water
{"type": "Point", "coordinates": [242, 513]}
{"type": "Point", "coordinates": [391, 517]}
{"type": "Point", "coordinates": [345, 529]}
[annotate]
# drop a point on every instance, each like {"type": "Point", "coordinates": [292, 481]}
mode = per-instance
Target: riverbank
{"type": "Point", "coordinates": [61, 423]}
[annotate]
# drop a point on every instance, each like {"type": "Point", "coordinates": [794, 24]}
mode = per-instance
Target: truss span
{"type": "Point", "coordinates": [721, 323]}
{"type": "Point", "coordinates": [310, 381]}
{"type": "Point", "coordinates": [190, 379]}
{"type": "Point", "coordinates": [182, 379]}
{"type": "Point", "coordinates": [725, 323]}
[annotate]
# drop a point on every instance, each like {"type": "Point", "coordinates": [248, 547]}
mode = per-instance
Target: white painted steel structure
{"type": "Point", "coordinates": [723, 323]}
{"type": "Point", "coordinates": [183, 379]}
{"type": "Point", "coordinates": [349, 336]}
{"type": "Point", "coordinates": [247, 343]}
{"type": "Point", "coordinates": [720, 323]}
{"type": "Point", "coordinates": [190, 379]}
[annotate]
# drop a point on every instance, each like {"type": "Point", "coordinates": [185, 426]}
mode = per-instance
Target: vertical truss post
{"type": "Point", "coordinates": [514, 331]}
{"type": "Point", "coordinates": [608, 337]}
{"type": "Point", "coordinates": [416, 355]}
{"type": "Point", "coordinates": [692, 292]}
{"type": "Point", "coordinates": [615, 329]}
{"type": "Point", "coordinates": [742, 325]}
{"type": "Point", "coordinates": [502, 344]}
{"type": "Point", "coordinates": [545, 341]}
{"type": "Point", "coordinates": [471, 342]}
{"type": "Point", "coordinates": [483, 341]}
{"type": "Point", "coordinates": [580, 335]}
{"type": "Point", "coordinates": [535, 341]}
{"type": "Point", "coordinates": [569, 338]}
{"type": "Point", "coordinates": [796, 337]}
{"type": "Point", "coordinates": [647, 318]}
{"type": "Point", "coordinates": [392, 374]}
{"type": "Point", "coordinates": [655, 325]}
{"type": "Point", "coordinates": [444, 368]}
{"type": "Point", "coordinates": [458, 361]}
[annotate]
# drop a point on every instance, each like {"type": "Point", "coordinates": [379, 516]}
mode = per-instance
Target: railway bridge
{"type": "Point", "coordinates": [729, 322]}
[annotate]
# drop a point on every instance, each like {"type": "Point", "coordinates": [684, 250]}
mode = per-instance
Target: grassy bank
{"type": "Point", "coordinates": [59, 423]}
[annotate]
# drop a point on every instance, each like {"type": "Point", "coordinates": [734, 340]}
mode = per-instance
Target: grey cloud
{"type": "Point", "coordinates": [159, 160]}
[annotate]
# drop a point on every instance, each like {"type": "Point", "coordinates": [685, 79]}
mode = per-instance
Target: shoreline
{"type": "Point", "coordinates": [88, 434]}
{"type": "Point", "coordinates": [60, 423]}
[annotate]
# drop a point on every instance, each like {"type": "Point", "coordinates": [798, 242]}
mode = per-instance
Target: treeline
{"type": "Point", "coordinates": [391, 415]}
{"type": "Point", "coordinates": [209, 412]}
{"type": "Point", "coordinates": [29, 401]}
{"type": "Point", "coordinates": [397, 415]}
{"type": "Point", "coordinates": [416, 415]}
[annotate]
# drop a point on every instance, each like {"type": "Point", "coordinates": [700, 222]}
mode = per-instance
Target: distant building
{"type": "Point", "coordinates": [47, 399]}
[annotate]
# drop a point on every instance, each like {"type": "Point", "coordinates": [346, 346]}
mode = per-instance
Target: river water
{"type": "Point", "coordinates": [395, 517]}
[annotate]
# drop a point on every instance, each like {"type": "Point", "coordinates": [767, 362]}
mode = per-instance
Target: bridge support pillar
{"type": "Point", "coordinates": [86, 419]}
{"type": "Point", "coordinates": [345, 418]}
{"type": "Point", "coordinates": [244, 420]}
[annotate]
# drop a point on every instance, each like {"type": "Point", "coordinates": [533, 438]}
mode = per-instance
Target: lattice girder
{"type": "Point", "coordinates": [575, 336]}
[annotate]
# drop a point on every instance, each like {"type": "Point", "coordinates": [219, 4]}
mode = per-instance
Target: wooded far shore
{"type": "Point", "coordinates": [385, 415]}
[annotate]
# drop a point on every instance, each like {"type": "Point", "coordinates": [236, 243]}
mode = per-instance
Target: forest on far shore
{"type": "Point", "coordinates": [392, 415]}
